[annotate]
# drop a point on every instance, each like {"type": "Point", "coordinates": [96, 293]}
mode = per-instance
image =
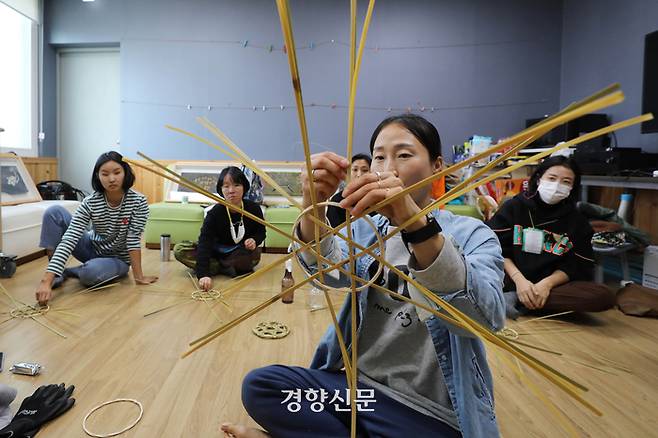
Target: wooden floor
{"type": "Point", "coordinates": [113, 351]}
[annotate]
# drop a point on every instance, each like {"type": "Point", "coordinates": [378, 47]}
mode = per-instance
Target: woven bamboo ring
{"type": "Point", "coordinates": [202, 295]}
{"type": "Point", "coordinates": [28, 311]}
{"type": "Point", "coordinates": [118, 400]}
{"type": "Point", "coordinates": [319, 284]}
{"type": "Point", "coordinates": [509, 333]}
{"type": "Point", "coordinates": [271, 330]}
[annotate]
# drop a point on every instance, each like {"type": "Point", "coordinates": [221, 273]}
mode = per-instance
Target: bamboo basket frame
{"type": "Point", "coordinates": [609, 96]}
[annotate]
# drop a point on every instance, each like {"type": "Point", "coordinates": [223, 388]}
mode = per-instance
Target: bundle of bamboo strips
{"type": "Point", "coordinates": [606, 97]}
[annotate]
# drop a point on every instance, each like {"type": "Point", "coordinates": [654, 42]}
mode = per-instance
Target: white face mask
{"type": "Point", "coordinates": [552, 192]}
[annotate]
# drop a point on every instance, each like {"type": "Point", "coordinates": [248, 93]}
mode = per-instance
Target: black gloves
{"type": "Point", "coordinates": [47, 402]}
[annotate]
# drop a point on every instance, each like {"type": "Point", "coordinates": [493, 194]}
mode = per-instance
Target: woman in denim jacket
{"type": "Point", "coordinates": [418, 375]}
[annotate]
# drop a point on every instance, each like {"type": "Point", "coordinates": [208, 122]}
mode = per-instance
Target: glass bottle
{"type": "Point", "coordinates": [287, 282]}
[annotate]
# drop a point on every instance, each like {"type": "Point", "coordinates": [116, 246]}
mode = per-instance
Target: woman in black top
{"type": "Point", "coordinates": [547, 245]}
{"type": "Point", "coordinates": [228, 243]}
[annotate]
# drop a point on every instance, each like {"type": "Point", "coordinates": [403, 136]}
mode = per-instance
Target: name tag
{"type": "Point", "coordinates": [533, 240]}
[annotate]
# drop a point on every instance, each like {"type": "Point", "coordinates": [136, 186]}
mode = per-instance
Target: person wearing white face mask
{"type": "Point", "coordinates": [552, 192]}
{"type": "Point", "coordinates": [547, 246]}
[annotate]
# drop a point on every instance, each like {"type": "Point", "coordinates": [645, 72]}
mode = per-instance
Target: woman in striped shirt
{"type": "Point", "coordinates": [117, 215]}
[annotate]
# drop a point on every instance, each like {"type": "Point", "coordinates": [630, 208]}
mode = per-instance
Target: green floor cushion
{"type": "Point", "coordinates": [464, 210]}
{"type": "Point", "coordinates": [282, 217]}
{"type": "Point", "coordinates": [181, 221]}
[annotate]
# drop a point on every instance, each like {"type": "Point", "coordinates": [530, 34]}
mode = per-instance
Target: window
{"type": "Point", "coordinates": [18, 82]}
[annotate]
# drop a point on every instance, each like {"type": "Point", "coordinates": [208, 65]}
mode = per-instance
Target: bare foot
{"type": "Point", "coordinates": [240, 431]}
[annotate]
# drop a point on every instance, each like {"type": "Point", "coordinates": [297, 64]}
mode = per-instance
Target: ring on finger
{"type": "Point", "coordinates": [379, 176]}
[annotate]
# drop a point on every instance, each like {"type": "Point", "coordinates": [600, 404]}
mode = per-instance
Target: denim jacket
{"type": "Point", "coordinates": [461, 356]}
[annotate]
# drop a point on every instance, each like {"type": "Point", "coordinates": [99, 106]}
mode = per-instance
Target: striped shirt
{"type": "Point", "coordinates": [114, 230]}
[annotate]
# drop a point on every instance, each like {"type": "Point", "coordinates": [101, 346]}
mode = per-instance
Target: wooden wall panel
{"type": "Point", "coordinates": [41, 169]}
{"type": "Point", "coordinates": [148, 183]}
{"type": "Point", "coordinates": [645, 211]}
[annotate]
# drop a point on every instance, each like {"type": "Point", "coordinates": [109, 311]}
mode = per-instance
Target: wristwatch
{"type": "Point", "coordinates": [431, 229]}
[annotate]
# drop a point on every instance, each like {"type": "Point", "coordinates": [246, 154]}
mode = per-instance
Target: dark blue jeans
{"type": "Point", "coordinates": [265, 390]}
{"type": "Point", "coordinates": [95, 269]}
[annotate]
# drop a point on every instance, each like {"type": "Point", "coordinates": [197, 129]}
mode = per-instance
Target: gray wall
{"type": "Point", "coordinates": [603, 42]}
{"type": "Point", "coordinates": [496, 64]}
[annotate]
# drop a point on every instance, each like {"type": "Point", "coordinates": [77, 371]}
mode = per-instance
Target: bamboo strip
{"type": "Point", "coordinates": [610, 362]}
{"type": "Point", "coordinates": [549, 331]}
{"type": "Point", "coordinates": [352, 42]}
{"type": "Point", "coordinates": [286, 27]}
{"type": "Point", "coordinates": [96, 289]}
{"type": "Point", "coordinates": [225, 304]}
{"type": "Point", "coordinates": [47, 326]}
{"type": "Point", "coordinates": [63, 312]}
{"type": "Point", "coordinates": [92, 288]}
{"type": "Point", "coordinates": [194, 283]}
{"type": "Point", "coordinates": [534, 347]}
{"type": "Point", "coordinates": [354, 79]}
{"type": "Point", "coordinates": [594, 367]}
{"type": "Point", "coordinates": [545, 317]}
{"type": "Point", "coordinates": [212, 311]}
{"type": "Point", "coordinates": [355, 67]}
{"type": "Point", "coordinates": [2, 300]}
{"type": "Point", "coordinates": [189, 300]}
{"type": "Point", "coordinates": [13, 300]}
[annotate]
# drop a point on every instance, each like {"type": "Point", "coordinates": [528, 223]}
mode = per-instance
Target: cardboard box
{"type": "Point", "coordinates": [650, 272]}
